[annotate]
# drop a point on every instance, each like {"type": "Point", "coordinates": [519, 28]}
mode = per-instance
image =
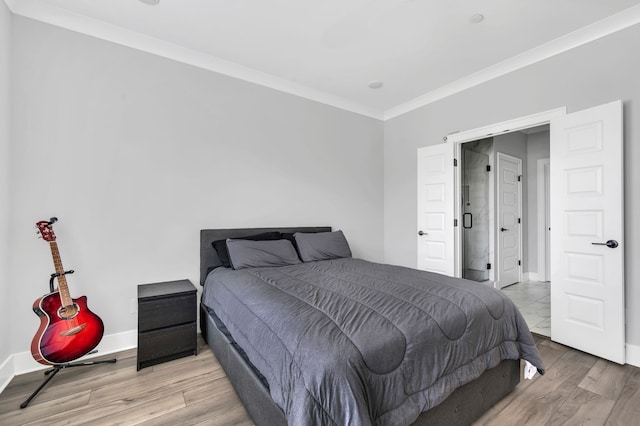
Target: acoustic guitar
{"type": "Point", "coordinates": [68, 329]}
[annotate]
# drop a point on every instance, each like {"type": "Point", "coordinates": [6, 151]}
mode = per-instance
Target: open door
{"type": "Point", "coordinates": [509, 223]}
{"type": "Point", "coordinates": [587, 247]}
{"type": "Point", "coordinates": [435, 209]}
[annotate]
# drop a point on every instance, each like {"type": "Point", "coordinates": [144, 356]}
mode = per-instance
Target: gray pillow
{"type": "Point", "coordinates": [252, 254]}
{"type": "Point", "coordinates": [322, 245]}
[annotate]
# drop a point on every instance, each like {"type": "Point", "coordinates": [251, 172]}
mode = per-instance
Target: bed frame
{"type": "Point", "coordinates": [462, 407]}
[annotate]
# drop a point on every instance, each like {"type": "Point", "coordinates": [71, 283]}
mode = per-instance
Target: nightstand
{"type": "Point", "coordinates": [166, 322]}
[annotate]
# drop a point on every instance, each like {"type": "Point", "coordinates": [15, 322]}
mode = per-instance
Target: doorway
{"type": "Point", "coordinates": [587, 220]}
{"type": "Point", "coordinates": [501, 244]}
{"type": "Point", "coordinates": [499, 188]}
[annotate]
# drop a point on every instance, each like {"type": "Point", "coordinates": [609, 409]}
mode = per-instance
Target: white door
{"type": "Point", "coordinates": [587, 282]}
{"type": "Point", "coordinates": [508, 223]}
{"type": "Point", "coordinates": [435, 231]}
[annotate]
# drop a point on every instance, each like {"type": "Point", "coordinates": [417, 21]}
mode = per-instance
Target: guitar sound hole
{"type": "Point", "coordinates": [68, 312]}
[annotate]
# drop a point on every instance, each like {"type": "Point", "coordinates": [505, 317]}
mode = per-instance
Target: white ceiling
{"type": "Point", "coordinates": [330, 50]}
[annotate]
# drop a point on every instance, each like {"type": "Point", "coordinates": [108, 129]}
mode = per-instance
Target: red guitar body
{"type": "Point", "coordinates": [60, 340]}
{"type": "Point", "coordinates": [68, 329]}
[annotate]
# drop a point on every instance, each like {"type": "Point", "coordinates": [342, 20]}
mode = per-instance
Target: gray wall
{"type": "Point", "coordinates": [590, 75]}
{"type": "Point", "coordinates": [136, 153]}
{"type": "Point", "coordinates": [537, 148]}
{"type": "Point", "coordinates": [5, 135]}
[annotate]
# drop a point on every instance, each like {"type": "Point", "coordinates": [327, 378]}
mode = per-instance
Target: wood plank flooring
{"type": "Point", "coordinates": [577, 389]}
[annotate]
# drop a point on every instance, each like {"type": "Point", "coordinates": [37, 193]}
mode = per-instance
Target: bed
{"type": "Point", "coordinates": [461, 395]}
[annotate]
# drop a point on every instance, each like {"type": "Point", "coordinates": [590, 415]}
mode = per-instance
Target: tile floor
{"type": "Point", "coordinates": [533, 300]}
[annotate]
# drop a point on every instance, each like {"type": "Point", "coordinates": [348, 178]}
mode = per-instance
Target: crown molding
{"type": "Point", "coordinates": [602, 28]}
{"type": "Point", "coordinates": [44, 12]}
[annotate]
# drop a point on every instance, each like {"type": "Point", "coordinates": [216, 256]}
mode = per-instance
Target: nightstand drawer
{"type": "Point", "coordinates": [167, 341]}
{"type": "Point", "coordinates": [167, 315]}
{"type": "Point", "coordinates": [165, 312]}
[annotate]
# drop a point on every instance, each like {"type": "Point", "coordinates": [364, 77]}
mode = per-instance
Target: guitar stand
{"type": "Point", "coordinates": [54, 276]}
{"type": "Point", "coordinates": [50, 373]}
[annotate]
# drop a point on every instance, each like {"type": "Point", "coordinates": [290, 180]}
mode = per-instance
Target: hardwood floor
{"type": "Point", "coordinates": [191, 390]}
{"type": "Point", "coordinates": [577, 389]}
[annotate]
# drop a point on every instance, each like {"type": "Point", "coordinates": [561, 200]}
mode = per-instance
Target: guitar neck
{"type": "Point", "coordinates": [63, 288]}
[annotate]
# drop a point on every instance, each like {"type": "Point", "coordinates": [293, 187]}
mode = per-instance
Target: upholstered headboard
{"type": "Point", "coordinates": [209, 258]}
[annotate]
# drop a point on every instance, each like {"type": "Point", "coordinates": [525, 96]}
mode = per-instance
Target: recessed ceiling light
{"type": "Point", "coordinates": [477, 18]}
{"type": "Point", "coordinates": [150, 2]}
{"type": "Point", "coordinates": [375, 84]}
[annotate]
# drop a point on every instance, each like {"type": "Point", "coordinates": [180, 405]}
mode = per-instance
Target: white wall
{"type": "Point", "coordinates": [5, 163]}
{"type": "Point", "coordinates": [593, 74]}
{"type": "Point", "coordinates": [135, 154]}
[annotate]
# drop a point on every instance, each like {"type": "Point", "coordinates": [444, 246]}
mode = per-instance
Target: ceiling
{"type": "Point", "coordinates": [330, 50]}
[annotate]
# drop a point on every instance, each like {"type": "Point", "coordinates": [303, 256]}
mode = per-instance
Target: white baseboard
{"type": "Point", "coordinates": [6, 372]}
{"type": "Point", "coordinates": [633, 355]}
{"type": "Point", "coordinates": [23, 362]}
{"type": "Point", "coordinates": [530, 276]}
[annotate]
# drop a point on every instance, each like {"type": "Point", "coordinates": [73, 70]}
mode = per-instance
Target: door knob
{"type": "Point", "coordinates": [422, 233]}
{"type": "Point", "coordinates": [503, 229]}
{"type": "Point", "coordinates": [610, 244]}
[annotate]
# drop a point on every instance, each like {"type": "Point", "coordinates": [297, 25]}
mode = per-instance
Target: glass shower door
{"type": "Point", "coordinates": [475, 217]}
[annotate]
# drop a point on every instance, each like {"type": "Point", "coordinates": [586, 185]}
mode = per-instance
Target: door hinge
{"type": "Point", "coordinates": [519, 263]}
{"type": "Point", "coordinates": [455, 162]}
{"type": "Point", "coordinates": [488, 168]}
{"type": "Point", "coordinates": [519, 178]}
{"type": "Point", "coordinates": [519, 220]}
{"type": "Point", "coordinates": [488, 266]}
{"type": "Point", "coordinates": [455, 222]}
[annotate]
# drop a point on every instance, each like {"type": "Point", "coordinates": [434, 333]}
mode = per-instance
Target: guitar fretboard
{"type": "Point", "coordinates": [65, 297]}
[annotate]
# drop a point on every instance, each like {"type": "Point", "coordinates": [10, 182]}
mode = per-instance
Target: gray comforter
{"type": "Point", "coordinates": [350, 342]}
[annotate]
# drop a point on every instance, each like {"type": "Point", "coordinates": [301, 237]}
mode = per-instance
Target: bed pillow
{"type": "Point", "coordinates": [322, 245]}
{"type": "Point", "coordinates": [290, 236]}
{"type": "Point", "coordinates": [221, 245]}
{"type": "Point", "coordinates": [253, 254]}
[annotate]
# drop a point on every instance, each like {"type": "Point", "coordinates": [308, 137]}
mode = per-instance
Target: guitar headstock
{"type": "Point", "coordinates": [45, 229]}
